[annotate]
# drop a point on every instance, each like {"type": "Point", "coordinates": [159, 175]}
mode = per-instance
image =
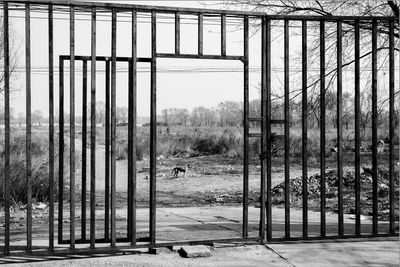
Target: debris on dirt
{"type": "Point", "coordinates": [40, 206]}
{"type": "Point", "coordinates": [144, 169]}
{"type": "Point", "coordinates": [331, 191]}
{"type": "Point", "coordinates": [229, 197]}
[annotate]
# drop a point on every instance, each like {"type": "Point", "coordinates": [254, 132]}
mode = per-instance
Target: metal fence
{"type": "Point", "coordinates": [265, 219]}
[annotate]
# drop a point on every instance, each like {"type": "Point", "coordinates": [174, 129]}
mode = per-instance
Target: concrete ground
{"type": "Point", "coordinates": [196, 223]}
{"type": "Point", "coordinates": [341, 253]}
{"type": "Point", "coordinates": [347, 253]}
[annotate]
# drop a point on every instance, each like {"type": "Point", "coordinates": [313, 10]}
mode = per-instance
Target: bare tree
{"type": "Point", "coordinates": [37, 116]}
{"type": "Point", "coordinates": [14, 48]}
{"type": "Point", "coordinates": [21, 118]}
{"type": "Point", "coordinates": [333, 8]}
{"type": "Point", "coordinates": [230, 113]}
{"type": "Point", "coordinates": [122, 114]}
{"type": "Point", "coordinates": [100, 112]}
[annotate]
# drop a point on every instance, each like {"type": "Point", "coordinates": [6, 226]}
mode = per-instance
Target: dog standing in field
{"type": "Point", "coordinates": [177, 170]}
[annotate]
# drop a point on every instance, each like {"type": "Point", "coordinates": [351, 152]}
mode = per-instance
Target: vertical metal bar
{"type": "Point", "coordinates": [28, 128]}
{"type": "Point", "coordinates": [391, 130]}
{"type": "Point", "coordinates": [130, 137]}
{"type": "Point", "coordinates": [177, 33]}
{"type": "Point", "coordinates": [93, 131]}
{"type": "Point", "coordinates": [6, 129]}
{"type": "Point", "coordinates": [132, 121]}
{"type": "Point", "coordinates": [51, 129]}
{"type": "Point", "coordinates": [223, 34]}
{"type": "Point", "coordinates": [200, 34]}
{"type": "Point", "coordinates": [113, 123]}
{"type": "Point", "coordinates": [357, 124]}
{"type": "Point", "coordinates": [264, 139]}
{"type": "Point", "coordinates": [268, 128]}
{"type": "Point", "coordinates": [339, 127]}
{"type": "Point", "coordinates": [84, 142]}
{"type": "Point", "coordinates": [322, 126]}
{"type": "Point", "coordinates": [246, 127]}
{"type": "Point", "coordinates": [304, 127]}
{"type": "Point", "coordinates": [61, 151]}
{"type": "Point", "coordinates": [107, 156]}
{"type": "Point", "coordinates": [374, 129]}
{"type": "Point", "coordinates": [287, 132]}
{"type": "Point", "coordinates": [153, 129]}
{"type": "Point", "coordinates": [72, 126]}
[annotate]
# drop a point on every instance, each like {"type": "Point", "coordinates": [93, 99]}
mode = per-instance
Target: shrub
{"type": "Point", "coordinates": [40, 168]}
{"type": "Point", "coordinates": [217, 143]}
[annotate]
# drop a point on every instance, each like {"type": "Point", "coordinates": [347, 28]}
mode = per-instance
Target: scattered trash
{"type": "Point", "coordinates": [39, 206]}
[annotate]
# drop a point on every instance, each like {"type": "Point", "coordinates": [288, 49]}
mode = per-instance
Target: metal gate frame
{"type": "Point", "coordinates": [265, 229]}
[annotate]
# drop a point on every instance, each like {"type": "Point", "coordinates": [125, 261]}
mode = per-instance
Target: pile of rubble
{"type": "Point", "coordinates": [331, 190]}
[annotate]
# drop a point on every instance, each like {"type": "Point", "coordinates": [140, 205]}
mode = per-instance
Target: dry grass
{"type": "Point", "coordinates": [40, 168]}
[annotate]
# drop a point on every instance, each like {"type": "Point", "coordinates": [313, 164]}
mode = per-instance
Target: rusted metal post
{"type": "Point", "coordinates": [392, 134]}
{"type": "Point", "coordinates": [287, 132]}
{"type": "Point", "coordinates": [153, 130]}
{"type": "Point", "coordinates": [304, 128]}
{"type": "Point", "coordinates": [84, 143]}
{"type": "Point", "coordinates": [28, 127]}
{"type": "Point", "coordinates": [200, 34]}
{"type": "Point", "coordinates": [61, 151]}
{"type": "Point", "coordinates": [268, 127]}
{"type": "Point", "coordinates": [357, 112]}
{"type": "Point", "coordinates": [51, 128]}
{"type": "Point", "coordinates": [113, 123]}
{"type": "Point", "coordinates": [177, 33]}
{"type": "Point", "coordinates": [130, 137]}
{"type": "Point", "coordinates": [339, 127]}
{"type": "Point", "coordinates": [93, 131]}
{"type": "Point", "coordinates": [223, 35]}
{"type": "Point", "coordinates": [374, 129]}
{"type": "Point", "coordinates": [132, 128]}
{"type": "Point", "coordinates": [6, 128]}
{"type": "Point", "coordinates": [246, 128]}
{"type": "Point", "coordinates": [72, 127]}
{"type": "Point", "coordinates": [322, 126]}
{"type": "Point", "coordinates": [264, 139]}
{"type": "Point", "coordinates": [107, 156]}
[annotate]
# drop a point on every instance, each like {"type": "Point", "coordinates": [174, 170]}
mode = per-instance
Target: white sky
{"type": "Point", "coordinates": [200, 83]}
{"type": "Point", "coordinates": [174, 89]}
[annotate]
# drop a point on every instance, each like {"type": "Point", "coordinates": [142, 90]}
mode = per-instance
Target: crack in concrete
{"type": "Point", "coordinates": [279, 255]}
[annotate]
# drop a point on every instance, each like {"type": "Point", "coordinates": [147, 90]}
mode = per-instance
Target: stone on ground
{"type": "Point", "coordinates": [195, 251]}
{"type": "Point", "coordinates": [160, 250]}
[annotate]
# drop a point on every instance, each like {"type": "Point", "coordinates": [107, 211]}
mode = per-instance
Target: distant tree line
{"type": "Point", "coordinates": [230, 113]}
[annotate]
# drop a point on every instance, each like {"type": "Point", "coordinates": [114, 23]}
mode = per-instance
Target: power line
{"type": "Point", "coordinates": [208, 20]}
{"type": "Point", "coordinates": [78, 71]}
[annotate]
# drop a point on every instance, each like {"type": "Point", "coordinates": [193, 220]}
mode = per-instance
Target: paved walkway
{"type": "Point", "coordinates": [214, 222]}
{"type": "Point", "coordinates": [348, 253]}
{"type": "Point", "coordinates": [341, 253]}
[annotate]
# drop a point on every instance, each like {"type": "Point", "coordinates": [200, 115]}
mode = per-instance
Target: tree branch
{"type": "Point", "coordinates": [394, 7]}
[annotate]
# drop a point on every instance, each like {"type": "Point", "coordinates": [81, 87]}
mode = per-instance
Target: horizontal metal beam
{"type": "Point", "coordinates": [142, 241]}
{"type": "Point", "coordinates": [256, 119]}
{"type": "Point", "coordinates": [255, 135]}
{"type": "Point", "coordinates": [196, 56]}
{"type": "Point", "coordinates": [103, 58]}
{"type": "Point", "coordinates": [333, 238]}
{"type": "Point", "coordinates": [104, 240]}
{"type": "Point", "coordinates": [277, 121]}
{"type": "Point", "coordinates": [148, 8]}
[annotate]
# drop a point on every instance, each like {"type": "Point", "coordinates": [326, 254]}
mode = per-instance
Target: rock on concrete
{"type": "Point", "coordinates": [195, 251]}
